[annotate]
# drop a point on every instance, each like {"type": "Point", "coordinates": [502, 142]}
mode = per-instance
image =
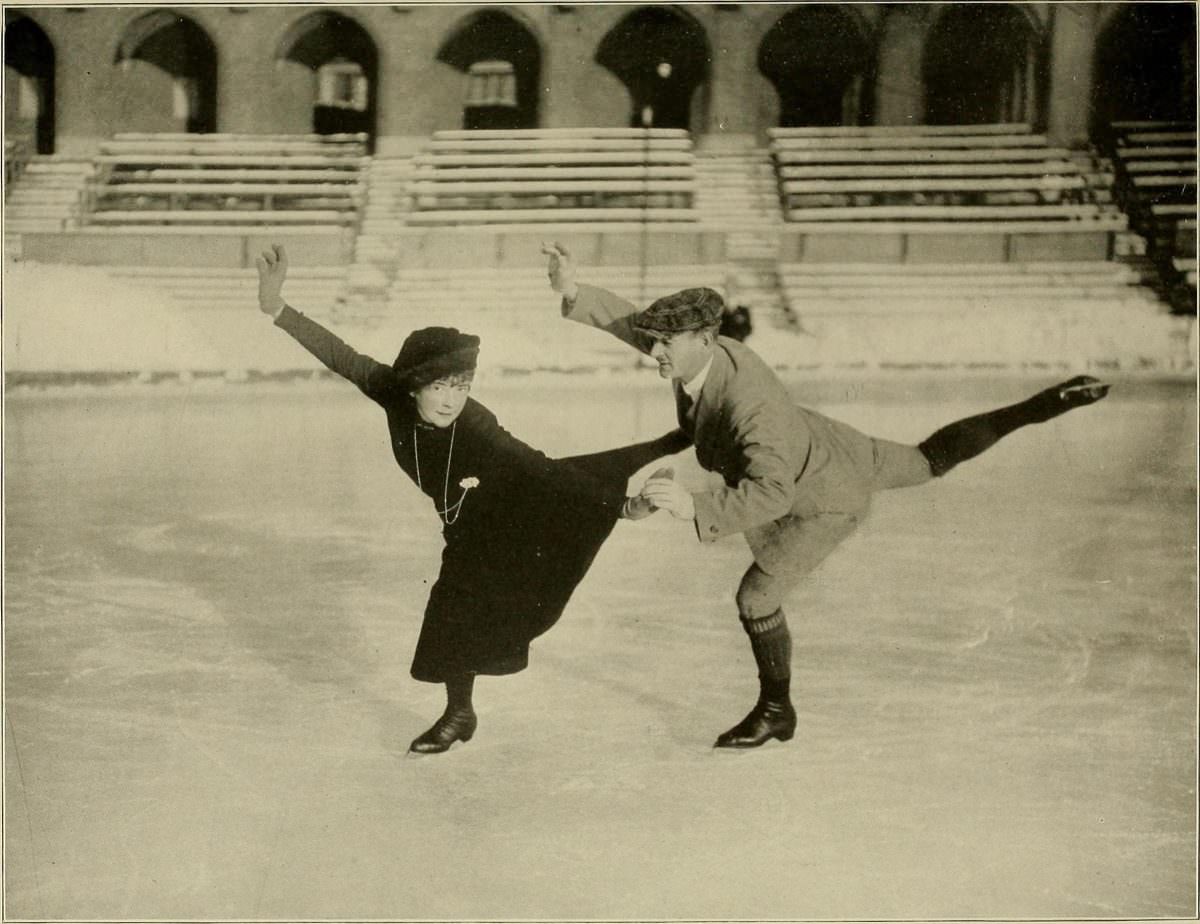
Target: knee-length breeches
{"type": "Point", "coordinates": [788, 549]}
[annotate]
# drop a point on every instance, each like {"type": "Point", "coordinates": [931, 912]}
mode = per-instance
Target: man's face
{"type": "Point", "coordinates": [681, 355]}
{"type": "Point", "coordinates": [440, 402]}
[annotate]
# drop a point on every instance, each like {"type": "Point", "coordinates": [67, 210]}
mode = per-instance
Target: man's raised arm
{"type": "Point", "coordinates": [590, 304]}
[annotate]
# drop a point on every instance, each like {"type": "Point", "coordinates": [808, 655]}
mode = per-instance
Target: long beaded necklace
{"type": "Point", "coordinates": [447, 514]}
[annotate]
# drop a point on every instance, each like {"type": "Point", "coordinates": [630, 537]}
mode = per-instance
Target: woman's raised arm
{"type": "Point", "coordinates": [372, 377]}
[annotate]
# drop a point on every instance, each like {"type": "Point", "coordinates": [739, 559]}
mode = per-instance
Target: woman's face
{"type": "Point", "coordinates": [439, 403]}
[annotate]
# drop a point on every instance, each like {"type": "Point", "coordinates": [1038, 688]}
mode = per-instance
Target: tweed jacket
{"type": "Point", "coordinates": [777, 460]}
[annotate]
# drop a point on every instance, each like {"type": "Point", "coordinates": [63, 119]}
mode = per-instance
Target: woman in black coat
{"type": "Point", "coordinates": [520, 529]}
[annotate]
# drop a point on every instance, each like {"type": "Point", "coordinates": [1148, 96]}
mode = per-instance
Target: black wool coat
{"type": "Point", "coordinates": [517, 543]}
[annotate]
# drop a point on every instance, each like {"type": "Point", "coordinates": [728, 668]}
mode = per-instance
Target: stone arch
{"type": "Point", "coordinates": [984, 62]}
{"type": "Point", "coordinates": [502, 58]}
{"type": "Point", "coordinates": [820, 58]}
{"type": "Point", "coordinates": [662, 55]}
{"type": "Point", "coordinates": [30, 100]}
{"type": "Point", "coordinates": [180, 48]}
{"type": "Point", "coordinates": [344, 56]}
{"type": "Point", "coordinates": [1145, 64]}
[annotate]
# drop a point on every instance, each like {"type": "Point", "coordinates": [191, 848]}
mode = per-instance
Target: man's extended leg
{"type": "Point", "coordinates": [965, 439]}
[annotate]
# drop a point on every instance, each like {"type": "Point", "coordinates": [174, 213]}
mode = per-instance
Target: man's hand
{"type": "Point", "coordinates": [561, 270]}
{"type": "Point", "coordinates": [272, 270]}
{"type": "Point", "coordinates": [665, 492]}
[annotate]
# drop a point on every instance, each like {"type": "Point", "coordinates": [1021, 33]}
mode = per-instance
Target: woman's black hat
{"type": "Point", "coordinates": [433, 353]}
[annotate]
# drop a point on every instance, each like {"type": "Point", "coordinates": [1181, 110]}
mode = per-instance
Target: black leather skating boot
{"type": "Point", "coordinates": [454, 725]}
{"type": "Point", "coordinates": [768, 719]}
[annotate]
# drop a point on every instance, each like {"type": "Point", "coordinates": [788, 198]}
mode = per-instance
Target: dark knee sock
{"type": "Point", "coordinates": [459, 690]}
{"type": "Point", "coordinates": [965, 439]}
{"type": "Point", "coordinates": [771, 642]}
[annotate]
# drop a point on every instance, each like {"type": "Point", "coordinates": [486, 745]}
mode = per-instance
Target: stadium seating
{"type": "Point", "coordinates": [1155, 182]}
{"type": "Point", "coordinates": [46, 196]}
{"type": "Point", "coordinates": [17, 152]}
{"type": "Point", "coordinates": [896, 177]}
{"type": "Point", "coordinates": [553, 175]}
{"type": "Point", "coordinates": [1065, 315]}
{"type": "Point", "coordinates": [524, 291]}
{"type": "Point", "coordinates": [216, 180]}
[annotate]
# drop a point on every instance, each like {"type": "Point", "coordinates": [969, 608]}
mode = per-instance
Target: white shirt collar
{"type": "Point", "coordinates": [692, 388]}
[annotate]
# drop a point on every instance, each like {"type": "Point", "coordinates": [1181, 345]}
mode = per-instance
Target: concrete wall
{"type": "Point", "coordinates": [184, 248]}
{"type": "Point", "coordinates": [417, 94]}
{"type": "Point", "coordinates": [975, 246]}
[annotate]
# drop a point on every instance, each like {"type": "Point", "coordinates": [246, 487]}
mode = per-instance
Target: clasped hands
{"type": "Point", "coordinates": [661, 492]}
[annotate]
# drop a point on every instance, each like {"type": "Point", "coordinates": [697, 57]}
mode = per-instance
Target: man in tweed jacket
{"type": "Point", "coordinates": [796, 483]}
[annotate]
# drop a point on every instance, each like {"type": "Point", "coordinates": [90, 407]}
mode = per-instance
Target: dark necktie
{"type": "Point", "coordinates": [687, 408]}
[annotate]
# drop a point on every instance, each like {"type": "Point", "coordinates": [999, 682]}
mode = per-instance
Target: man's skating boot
{"type": "Point", "coordinates": [768, 719]}
{"type": "Point", "coordinates": [773, 715]}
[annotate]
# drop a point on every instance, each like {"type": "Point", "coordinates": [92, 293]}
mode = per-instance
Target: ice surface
{"type": "Point", "coordinates": [212, 598]}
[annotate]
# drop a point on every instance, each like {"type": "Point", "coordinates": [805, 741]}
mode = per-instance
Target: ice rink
{"type": "Point", "coordinates": [213, 594]}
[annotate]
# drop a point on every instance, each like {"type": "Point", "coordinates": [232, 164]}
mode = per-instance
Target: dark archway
{"type": "Point", "coordinates": [344, 56]}
{"type": "Point", "coordinates": [503, 63]}
{"type": "Point", "coordinates": [982, 64]}
{"type": "Point", "coordinates": [29, 52]}
{"type": "Point", "coordinates": [181, 48]}
{"type": "Point", "coordinates": [662, 57]}
{"type": "Point", "coordinates": [1146, 64]}
{"type": "Point", "coordinates": [821, 65]}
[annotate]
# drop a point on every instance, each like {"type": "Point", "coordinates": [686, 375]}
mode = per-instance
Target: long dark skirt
{"type": "Point", "coordinates": [506, 581]}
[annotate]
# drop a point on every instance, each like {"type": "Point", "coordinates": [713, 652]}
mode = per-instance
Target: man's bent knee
{"type": "Point", "coordinates": [759, 595]}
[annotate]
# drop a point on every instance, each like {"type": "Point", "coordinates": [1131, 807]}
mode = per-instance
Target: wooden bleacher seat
{"type": "Point", "coordinates": [1155, 182]}
{"type": "Point", "coordinates": [357, 138]}
{"type": "Point", "coordinates": [906, 141]}
{"type": "Point", "coordinates": [952, 168]}
{"type": "Point", "coordinates": [1158, 139]}
{"type": "Point", "coordinates": [1060, 213]}
{"type": "Point", "coordinates": [800, 154]}
{"type": "Point", "coordinates": [194, 180]}
{"type": "Point", "coordinates": [553, 175]}
{"type": "Point", "coordinates": [932, 175]}
{"type": "Point", "coordinates": [882, 131]}
{"type": "Point", "coordinates": [219, 217]}
{"type": "Point", "coordinates": [547, 215]}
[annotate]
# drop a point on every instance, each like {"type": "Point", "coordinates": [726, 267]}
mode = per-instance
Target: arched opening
{"type": "Point", "coordinates": [175, 46]}
{"type": "Point", "coordinates": [29, 102]}
{"type": "Point", "coordinates": [1146, 64]}
{"type": "Point", "coordinates": [982, 65]}
{"type": "Point", "coordinates": [820, 64]}
{"type": "Point", "coordinates": [662, 57]}
{"type": "Point", "coordinates": [342, 55]}
{"type": "Point", "coordinates": [502, 62]}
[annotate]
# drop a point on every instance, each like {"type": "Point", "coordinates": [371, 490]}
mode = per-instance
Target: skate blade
{"type": "Point", "coordinates": [1090, 389]}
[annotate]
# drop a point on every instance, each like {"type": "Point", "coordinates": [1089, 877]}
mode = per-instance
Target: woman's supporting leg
{"type": "Point", "coordinates": [965, 439]}
{"type": "Point", "coordinates": [457, 722]}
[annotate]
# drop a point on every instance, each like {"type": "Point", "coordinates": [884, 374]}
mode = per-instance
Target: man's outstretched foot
{"type": "Point", "coordinates": [1081, 390]}
{"type": "Point", "coordinates": [768, 719]}
{"type": "Point", "coordinates": [451, 727]}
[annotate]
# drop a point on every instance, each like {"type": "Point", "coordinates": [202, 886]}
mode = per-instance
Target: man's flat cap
{"type": "Point", "coordinates": [688, 309]}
